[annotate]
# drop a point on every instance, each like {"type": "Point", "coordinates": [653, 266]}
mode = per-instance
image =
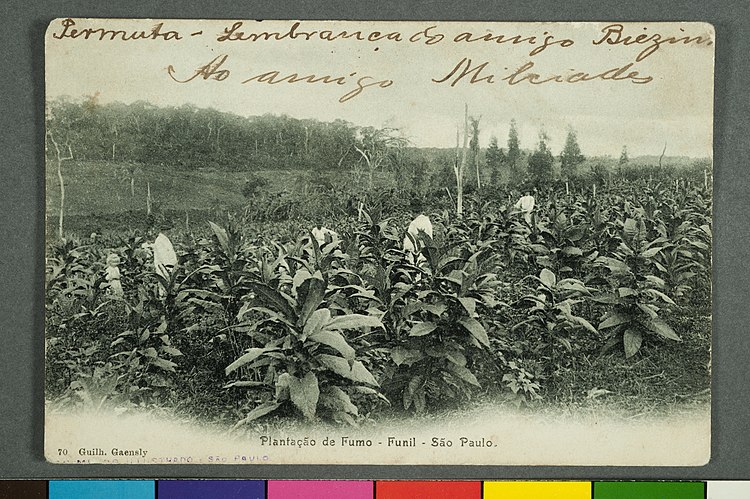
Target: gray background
{"type": "Point", "coordinates": [22, 227]}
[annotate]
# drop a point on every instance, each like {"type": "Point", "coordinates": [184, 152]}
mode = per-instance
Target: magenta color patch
{"type": "Point", "coordinates": [319, 489]}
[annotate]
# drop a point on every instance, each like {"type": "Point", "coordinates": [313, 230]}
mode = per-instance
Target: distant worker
{"type": "Point", "coordinates": [525, 205]}
{"type": "Point", "coordinates": [112, 274]}
{"type": "Point", "coordinates": [324, 235]}
{"type": "Point", "coordinates": [413, 241]}
{"type": "Point", "coordinates": [165, 258]}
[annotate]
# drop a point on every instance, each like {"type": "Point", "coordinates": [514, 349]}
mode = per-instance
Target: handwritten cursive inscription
{"type": "Point", "coordinates": [540, 43]}
{"type": "Point", "coordinates": [614, 34]}
{"type": "Point", "coordinates": [234, 33]}
{"type": "Point", "coordinates": [101, 34]}
{"type": "Point", "coordinates": [472, 73]}
{"type": "Point", "coordinates": [618, 44]}
{"type": "Point", "coordinates": [214, 70]}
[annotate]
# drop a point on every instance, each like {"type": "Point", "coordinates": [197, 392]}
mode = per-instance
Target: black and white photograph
{"type": "Point", "coordinates": [412, 242]}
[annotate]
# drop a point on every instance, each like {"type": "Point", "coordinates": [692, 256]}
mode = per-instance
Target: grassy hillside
{"type": "Point", "coordinates": [102, 187]}
{"type": "Point", "coordinates": [98, 195]}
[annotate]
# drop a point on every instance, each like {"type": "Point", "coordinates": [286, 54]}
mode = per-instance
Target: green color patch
{"type": "Point", "coordinates": [649, 490]}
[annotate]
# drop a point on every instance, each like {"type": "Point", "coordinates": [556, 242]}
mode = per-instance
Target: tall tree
{"type": "Point", "coordinates": [624, 159]}
{"type": "Point", "coordinates": [514, 154]}
{"type": "Point", "coordinates": [494, 159]}
{"type": "Point", "coordinates": [541, 161]}
{"type": "Point", "coordinates": [571, 156]}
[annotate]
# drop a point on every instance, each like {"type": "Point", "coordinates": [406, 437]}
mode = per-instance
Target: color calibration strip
{"type": "Point", "coordinates": [345, 489]}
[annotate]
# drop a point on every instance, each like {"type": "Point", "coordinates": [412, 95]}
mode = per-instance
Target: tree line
{"type": "Point", "coordinates": [536, 166]}
{"type": "Point", "coordinates": [192, 137]}
{"type": "Point", "coordinates": [188, 137]}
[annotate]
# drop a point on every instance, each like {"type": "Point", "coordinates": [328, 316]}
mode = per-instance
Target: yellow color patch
{"type": "Point", "coordinates": [537, 490]}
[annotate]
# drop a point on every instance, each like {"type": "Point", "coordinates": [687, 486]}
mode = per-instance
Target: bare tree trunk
{"type": "Point", "coordinates": [662, 154]}
{"type": "Point", "coordinates": [62, 195]}
{"type": "Point", "coordinates": [369, 167]}
{"type": "Point", "coordinates": [60, 159]}
{"type": "Point", "coordinates": [148, 198]}
{"type": "Point", "coordinates": [218, 133]}
{"type": "Point", "coordinates": [460, 168]}
{"type": "Point", "coordinates": [450, 196]}
{"type": "Point", "coordinates": [114, 144]}
{"type": "Point", "coordinates": [475, 158]}
{"type": "Point", "coordinates": [457, 173]}
{"type": "Point", "coordinates": [341, 159]}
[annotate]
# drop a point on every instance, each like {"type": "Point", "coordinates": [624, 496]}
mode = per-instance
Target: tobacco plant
{"type": "Point", "coordinates": [305, 361]}
{"type": "Point", "coordinates": [437, 325]}
{"type": "Point", "coordinates": [637, 296]}
{"type": "Point", "coordinates": [551, 321]}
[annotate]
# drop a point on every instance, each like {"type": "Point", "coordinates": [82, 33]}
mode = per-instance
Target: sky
{"type": "Point", "coordinates": [674, 108]}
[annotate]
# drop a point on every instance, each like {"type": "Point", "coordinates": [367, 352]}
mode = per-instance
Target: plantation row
{"type": "Point", "coordinates": [250, 320]}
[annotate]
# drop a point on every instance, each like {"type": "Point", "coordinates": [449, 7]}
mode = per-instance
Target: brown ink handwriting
{"type": "Point", "coordinates": [480, 73]}
{"type": "Point", "coordinates": [215, 70]}
{"type": "Point", "coordinates": [613, 34]}
{"type": "Point", "coordinates": [157, 33]}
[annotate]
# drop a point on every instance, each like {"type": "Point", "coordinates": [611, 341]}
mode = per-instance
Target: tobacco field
{"type": "Point", "coordinates": [601, 298]}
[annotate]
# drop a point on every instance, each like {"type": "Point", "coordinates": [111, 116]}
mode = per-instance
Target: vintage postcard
{"type": "Point", "coordinates": [340, 242]}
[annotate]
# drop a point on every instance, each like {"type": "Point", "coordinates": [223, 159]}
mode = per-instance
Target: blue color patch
{"type": "Point", "coordinates": [212, 489]}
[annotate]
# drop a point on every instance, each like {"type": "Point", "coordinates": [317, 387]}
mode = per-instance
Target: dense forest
{"type": "Point", "coordinates": [191, 137]}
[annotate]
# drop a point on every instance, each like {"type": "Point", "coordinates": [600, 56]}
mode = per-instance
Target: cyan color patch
{"type": "Point", "coordinates": [102, 489]}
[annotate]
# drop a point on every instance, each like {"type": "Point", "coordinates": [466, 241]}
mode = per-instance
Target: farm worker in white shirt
{"type": "Point", "coordinates": [412, 241]}
{"type": "Point", "coordinates": [322, 234]}
{"type": "Point", "coordinates": [525, 205]}
{"type": "Point", "coordinates": [165, 258]}
{"type": "Point", "coordinates": [112, 274]}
